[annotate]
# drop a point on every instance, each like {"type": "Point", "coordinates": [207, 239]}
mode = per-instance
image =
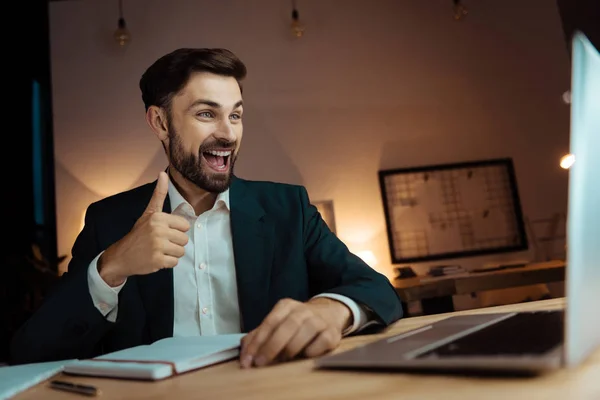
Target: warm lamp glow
{"type": "Point", "coordinates": [82, 223]}
{"type": "Point", "coordinates": [297, 26]}
{"type": "Point", "coordinates": [122, 34]}
{"type": "Point", "coordinates": [460, 10]}
{"type": "Point", "coordinates": [567, 161]}
{"type": "Point", "coordinates": [368, 257]}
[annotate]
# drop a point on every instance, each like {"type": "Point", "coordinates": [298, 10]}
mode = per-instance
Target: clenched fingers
{"type": "Point", "coordinates": [172, 249]}
{"type": "Point", "coordinates": [177, 222]}
{"type": "Point", "coordinates": [177, 237]}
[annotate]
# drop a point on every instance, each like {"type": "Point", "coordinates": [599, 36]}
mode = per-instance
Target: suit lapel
{"type": "Point", "coordinates": [252, 236]}
{"type": "Point", "coordinates": [156, 291]}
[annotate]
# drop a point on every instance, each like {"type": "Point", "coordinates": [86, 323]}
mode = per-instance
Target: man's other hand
{"type": "Point", "coordinates": [294, 329]}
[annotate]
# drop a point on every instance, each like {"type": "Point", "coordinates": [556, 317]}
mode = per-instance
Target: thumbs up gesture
{"type": "Point", "coordinates": [156, 241]}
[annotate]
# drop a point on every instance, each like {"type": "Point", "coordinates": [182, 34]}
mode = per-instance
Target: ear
{"type": "Point", "coordinates": [156, 118]}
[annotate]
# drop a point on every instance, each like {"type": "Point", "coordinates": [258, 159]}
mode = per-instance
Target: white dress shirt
{"type": "Point", "coordinates": [204, 280]}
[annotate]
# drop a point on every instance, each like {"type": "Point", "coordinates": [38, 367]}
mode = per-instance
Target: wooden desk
{"type": "Point", "coordinates": [298, 380]}
{"type": "Point", "coordinates": [435, 293]}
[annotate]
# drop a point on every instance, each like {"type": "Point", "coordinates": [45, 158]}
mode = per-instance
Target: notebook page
{"type": "Point", "coordinates": [17, 378]}
{"type": "Point", "coordinates": [183, 352]}
{"type": "Point", "coordinates": [201, 341]}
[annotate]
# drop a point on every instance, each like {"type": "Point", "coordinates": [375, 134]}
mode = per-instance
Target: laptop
{"type": "Point", "coordinates": [523, 342]}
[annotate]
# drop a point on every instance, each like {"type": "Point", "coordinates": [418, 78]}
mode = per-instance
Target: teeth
{"type": "Point", "coordinates": [219, 153]}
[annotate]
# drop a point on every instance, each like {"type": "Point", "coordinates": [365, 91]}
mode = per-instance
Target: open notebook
{"type": "Point", "coordinates": [161, 359]}
{"type": "Point", "coordinates": [18, 378]}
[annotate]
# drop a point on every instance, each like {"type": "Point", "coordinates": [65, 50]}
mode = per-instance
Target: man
{"type": "Point", "coordinates": [202, 252]}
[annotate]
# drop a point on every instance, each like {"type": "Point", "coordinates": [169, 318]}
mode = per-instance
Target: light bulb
{"type": "Point", "coordinates": [567, 161]}
{"type": "Point", "coordinates": [122, 35]}
{"type": "Point", "coordinates": [297, 27]}
{"type": "Point", "coordinates": [459, 10]}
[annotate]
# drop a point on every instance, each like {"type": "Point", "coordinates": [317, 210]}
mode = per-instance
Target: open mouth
{"type": "Point", "coordinates": [218, 160]}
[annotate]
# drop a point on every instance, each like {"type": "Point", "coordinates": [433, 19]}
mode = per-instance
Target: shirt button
{"type": "Point", "coordinates": [202, 266]}
{"type": "Point", "coordinates": [103, 306]}
{"type": "Point", "coordinates": [199, 225]}
{"type": "Point", "coordinates": [205, 310]}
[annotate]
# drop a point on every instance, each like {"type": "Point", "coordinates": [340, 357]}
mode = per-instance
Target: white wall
{"type": "Point", "coordinates": [372, 85]}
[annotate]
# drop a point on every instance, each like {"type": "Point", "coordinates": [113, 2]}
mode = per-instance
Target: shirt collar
{"type": "Point", "coordinates": [178, 201]}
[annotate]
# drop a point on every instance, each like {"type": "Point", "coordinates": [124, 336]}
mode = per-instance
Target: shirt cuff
{"type": "Point", "coordinates": [105, 297]}
{"type": "Point", "coordinates": [360, 315]}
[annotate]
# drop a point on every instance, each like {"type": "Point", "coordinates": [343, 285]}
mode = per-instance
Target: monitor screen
{"type": "Point", "coordinates": [583, 218]}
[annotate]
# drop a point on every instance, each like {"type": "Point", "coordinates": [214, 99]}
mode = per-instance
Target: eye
{"type": "Point", "coordinates": [235, 116]}
{"type": "Point", "coordinates": [204, 114]}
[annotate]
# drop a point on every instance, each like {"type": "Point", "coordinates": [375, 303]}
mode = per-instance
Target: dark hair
{"type": "Point", "coordinates": [170, 73]}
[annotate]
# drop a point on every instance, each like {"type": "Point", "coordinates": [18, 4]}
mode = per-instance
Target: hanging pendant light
{"type": "Point", "coordinates": [460, 10]}
{"type": "Point", "coordinates": [297, 26]}
{"type": "Point", "coordinates": [122, 34]}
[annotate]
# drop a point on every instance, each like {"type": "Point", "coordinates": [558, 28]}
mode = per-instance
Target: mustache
{"type": "Point", "coordinates": [217, 144]}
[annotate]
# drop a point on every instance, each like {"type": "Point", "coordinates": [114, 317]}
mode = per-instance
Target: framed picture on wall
{"type": "Point", "coordinates": [452, 210]}
{"type": "Point", "coordinates": [325, 208]}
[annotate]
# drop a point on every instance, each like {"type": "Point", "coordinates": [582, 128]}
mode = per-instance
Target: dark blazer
{"type": "Point", "coordinates": [282, 249]}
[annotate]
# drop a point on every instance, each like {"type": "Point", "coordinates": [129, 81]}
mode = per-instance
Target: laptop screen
{"type": "Point", "coordinates": [583, 223]}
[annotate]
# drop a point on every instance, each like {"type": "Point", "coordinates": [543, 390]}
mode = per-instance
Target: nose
{"type": "Point", "coordinates": [225, 131]}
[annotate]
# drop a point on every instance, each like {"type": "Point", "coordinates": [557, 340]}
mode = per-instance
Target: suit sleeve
{"type": "Point", "coordinates": [334, 269]}
{"type": "Point", "coordinates": [67, 325]}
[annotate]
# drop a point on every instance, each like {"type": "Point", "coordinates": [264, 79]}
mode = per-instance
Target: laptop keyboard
{"type": "Point", "coordinates": [524, 333]}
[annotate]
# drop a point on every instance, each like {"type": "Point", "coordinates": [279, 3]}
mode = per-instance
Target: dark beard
{"type": "Point", "coordinates": [190, 166]}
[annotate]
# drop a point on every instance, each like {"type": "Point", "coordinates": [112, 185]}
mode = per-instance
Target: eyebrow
{"type": "Point", "coordinates": [212, 104]}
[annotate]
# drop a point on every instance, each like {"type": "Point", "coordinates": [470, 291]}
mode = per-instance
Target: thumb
{"type": "Point", "coordinates": [159, 195]}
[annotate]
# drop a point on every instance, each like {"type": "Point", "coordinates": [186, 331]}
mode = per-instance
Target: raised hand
{"type": "Point", "coordinates": [156, 241]}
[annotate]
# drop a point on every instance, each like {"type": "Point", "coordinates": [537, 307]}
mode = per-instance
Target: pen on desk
{"type": "Point", "coordinates": [74, 388]}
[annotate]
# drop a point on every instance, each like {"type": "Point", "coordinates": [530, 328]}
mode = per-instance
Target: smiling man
{"type": "Point", "coordinates": [202, 252]}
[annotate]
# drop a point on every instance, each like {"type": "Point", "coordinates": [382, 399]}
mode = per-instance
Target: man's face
{"type": "Point", "coordinates": [205, 130]}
